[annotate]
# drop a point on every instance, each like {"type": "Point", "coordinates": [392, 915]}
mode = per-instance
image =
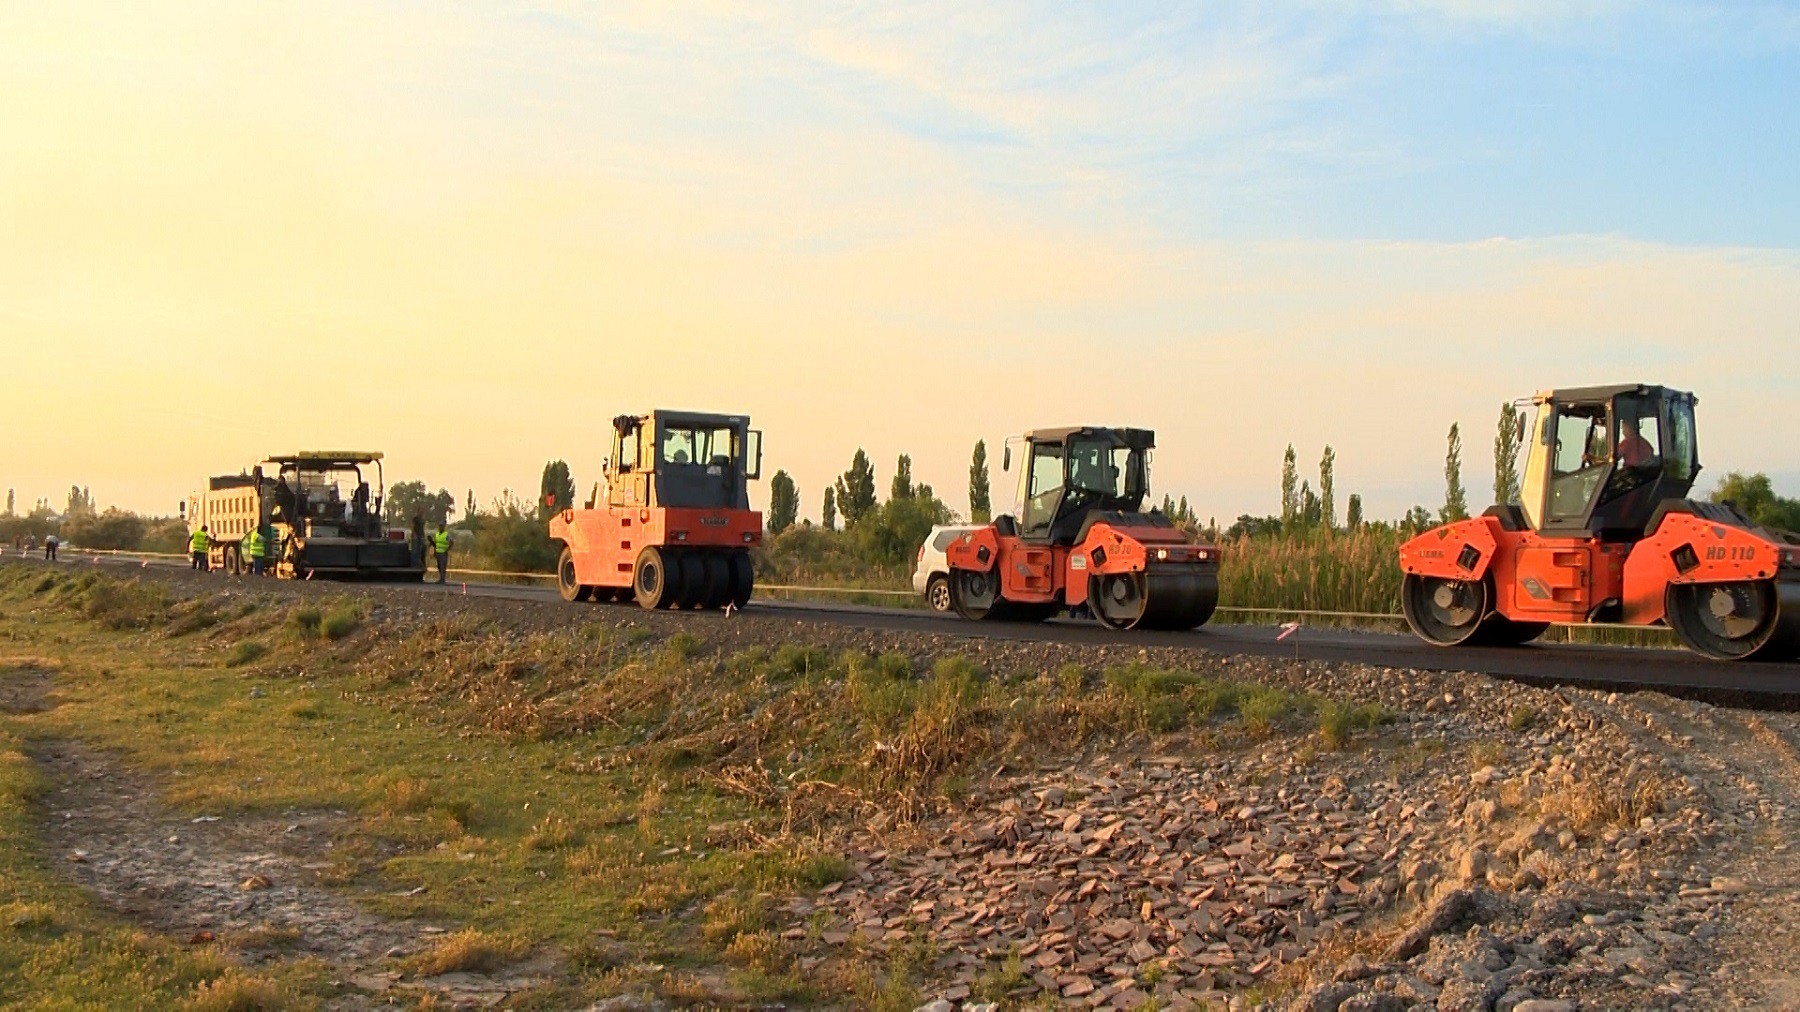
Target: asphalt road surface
{"type": "Point", "coordinates": [1618, 667]}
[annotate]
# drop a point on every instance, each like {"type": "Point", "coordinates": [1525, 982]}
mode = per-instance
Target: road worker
{"type": "Point", "coordinates": [198, 543]}
{"type": "Point", "coordinates": [50, 545]}
{"type": "Point", "coordinates": [255, 549]}
{"type": "Point", "coordinates": [440, 543]}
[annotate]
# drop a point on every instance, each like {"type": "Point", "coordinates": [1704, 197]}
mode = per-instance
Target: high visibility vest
{"type": "Point", "coordinates": [253, 544]}
{"type": "Point", "coordinates": [441, 541]}
{"type": "Point", "coordinates": [199, 541]}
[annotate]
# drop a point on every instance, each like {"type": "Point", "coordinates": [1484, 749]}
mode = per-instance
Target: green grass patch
{"type": "Point", "coordinates": [246, 652]}
{"type": "Point", "coordinates": [540, 784]}
{"type": "Point", "coordinates": [344, 618]}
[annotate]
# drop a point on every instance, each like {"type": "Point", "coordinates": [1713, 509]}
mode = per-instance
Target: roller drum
{"type": "Point", "coordinates": [1784, 645]}
{"type": "Point", "coordinates": [1166, 597]}
{"type": "Point", "coordinates": [1180, 598]}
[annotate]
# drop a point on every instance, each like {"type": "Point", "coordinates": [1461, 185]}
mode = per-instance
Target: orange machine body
{"type": "Point", "coordinates": [1079, 541]}
{"type": "Point", "coordinates": [1570, 580]}
{"type": "Point", "coordinates": [605, 540]}
{"type": "Point", "coordinates": [1056, 574]}
{"type": "Point", "coordinates": [1602, 531]}
{"type": "Point", "coordinates": [670, 522]}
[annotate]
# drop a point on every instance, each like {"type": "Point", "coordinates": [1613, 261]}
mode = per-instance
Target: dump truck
{"type": "Point", "coordinates": [1081, 543]}
{"type": "Point", "coordinates": [319, 513]}
{"type": "Point", "coordinates": [1604, 533]}
{"type": "Point", "coordinates": [670, 524]}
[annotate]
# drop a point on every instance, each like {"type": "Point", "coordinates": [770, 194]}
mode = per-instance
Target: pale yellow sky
{"type": "Point", "coordinates": [231, 230]}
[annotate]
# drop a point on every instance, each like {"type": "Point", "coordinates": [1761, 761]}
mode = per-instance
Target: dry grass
{"type": "Point", "coordinates": [732, 915]}
{"type": "Point", "coordinates": [1590, 808]}
{"type": "Point", "coordinates": [552, 832]}
{"type": "Point", "coordinates": [467, 951]}
{"type": "Point", "coordinates": [238, 991]}
{"type": "Point", "coordinates": [264, 936]}
{"type": "Point", "coordinates": [407, 794]}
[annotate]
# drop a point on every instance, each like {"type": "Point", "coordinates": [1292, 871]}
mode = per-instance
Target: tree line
{"type": "Point", "coordinates": [856, 526]}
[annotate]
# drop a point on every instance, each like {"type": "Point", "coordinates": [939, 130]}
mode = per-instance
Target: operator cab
{"type": "Point", "coordinates": [324, 494]}
{"type": "Point", "coordinates": [683, 459]}
{"type": "Point", "coordinates": [1072, 473]}
{"type": "Point", "coordinates": [1604, 459]}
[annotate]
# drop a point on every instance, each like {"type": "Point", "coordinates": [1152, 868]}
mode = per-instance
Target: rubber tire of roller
{"type": "Point", "coordinates": [743, 579]}
{"type": "Point", "coordinates": [693, 581]}
{"type": "Point", "coordinates": [718, 580]}
{"type": "Point", "coordinates": [652, 580]}
{"type": "Point", "coordinates": [566, 587]}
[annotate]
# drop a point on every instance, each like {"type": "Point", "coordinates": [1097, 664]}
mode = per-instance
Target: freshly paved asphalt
{"type": "Point", "coordinates": [1619, 667]}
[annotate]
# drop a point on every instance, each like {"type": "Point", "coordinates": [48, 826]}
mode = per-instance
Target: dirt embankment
{"type": "Point", "coordinates": [1488, 845]}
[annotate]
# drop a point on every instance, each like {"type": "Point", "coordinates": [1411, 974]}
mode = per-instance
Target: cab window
{"type": "Point", "coordinates": [1579, 459]}
{"type": "Point", "coordinates": [1044, 491]}
{"type": "Point", "coordinates": [1683, 458]}
{"type": "Point", "coordinates": [627, 450]}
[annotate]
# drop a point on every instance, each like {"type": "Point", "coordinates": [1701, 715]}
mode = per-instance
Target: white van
{"type": "Point", "coordinates": [931, 574]}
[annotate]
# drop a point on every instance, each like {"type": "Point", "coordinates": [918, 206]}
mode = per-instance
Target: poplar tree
{"type": "Point", "coordinates": [1290, 490]}
{"type": "Point", "coordinates": [784, 502]}
{"type": "Point", "coordinates": [1456, 500]}
{"type": "Point", "coordinates": [902, 487]}
{"type": "Point", "coordinates": [556, 490]}
{"type": "Point", "coordinates": [1353, 513]}
{"type": "Point", "coordinates": [1506, 455]}
{"type": "Point", "coordinates": [981, 507]}
{"type": "Point", "coordinates": [856, 489]}
{"type": "Point", "coordinates": [1327, 488]}
{"type": "Point", "coordinates": [829, 517]}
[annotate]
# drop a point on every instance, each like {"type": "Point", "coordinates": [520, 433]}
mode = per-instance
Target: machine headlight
{"type": "Point", "coordinates": [1162, 555]}
{"type": "Point", "coordinates": [681, 535]}
{"type": "Point", "coordinates": [1790, 558]}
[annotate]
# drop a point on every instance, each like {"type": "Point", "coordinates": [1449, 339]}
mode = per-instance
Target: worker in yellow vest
{"type": "Point", "coordinates": [255, 549]}
{"type": "Point", "coordinates": [197, 545]}
{"type": "Point", "coordinates": [440, 543]}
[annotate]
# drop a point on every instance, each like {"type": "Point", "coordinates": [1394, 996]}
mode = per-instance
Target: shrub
{"type": "Point", "coordinates": [246, 652]}
{"type": "Point", "coordinates": [682, 646]}
{"type": "Point", "coordinates": [1338, 721]}
{"type": "Point", "coordinates": [305, 620]}
{"type": "Point", "coordinates": [342, 620]}
{"type": "Point", "coordinates": [117, 605]}
{"type": "Point", "coordinates": [792, 660]}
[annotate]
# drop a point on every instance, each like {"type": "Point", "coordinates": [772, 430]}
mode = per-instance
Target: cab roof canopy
{"type": "Point", "coordinates": [682, 418]}
{"type": "Point", "coordinates": [668, 417]}
{"type": "Point", "coordinates": [326, 458]}
{"type": "Point", "coordinates": [1143, 439]}
{"type": "Point", "coordinates": [1588, 395]}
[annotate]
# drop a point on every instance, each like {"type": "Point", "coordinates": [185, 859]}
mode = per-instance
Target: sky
{"type": "Point", "coordinates": [469, 235]}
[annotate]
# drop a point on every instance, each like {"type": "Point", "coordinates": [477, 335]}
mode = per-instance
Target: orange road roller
{"type": "Point", "coordinates": [1081, 542]}
{"type": "Point", "coordinates": [670, 523]}
{"type": "Point", "coordinates": [1605, 533]}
